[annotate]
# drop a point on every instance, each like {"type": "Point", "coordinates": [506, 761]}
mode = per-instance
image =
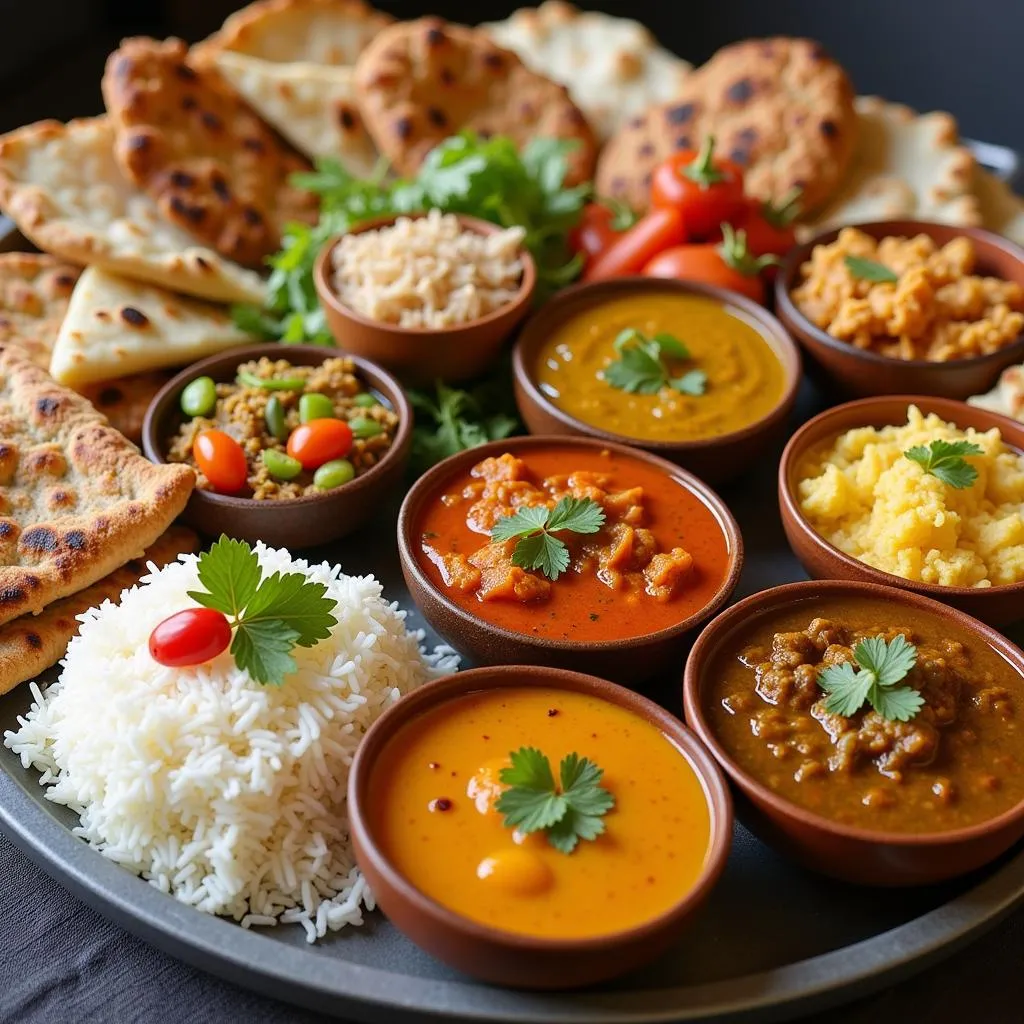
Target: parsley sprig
{"type": "Point", "coordinates": [641, 367]}
{"type": "Point", "coordinates": [945, 460]}
{"type": "Point", "coordinates": [870, 270]}
{"type": "Point", "coordinates": [881, 666]}
{"type": "Point", "coordinates": [566, 813]}
{"type": "Point", "coordinates": [269, 616]}
{"type": "Point", "coordinates": [535, 525]}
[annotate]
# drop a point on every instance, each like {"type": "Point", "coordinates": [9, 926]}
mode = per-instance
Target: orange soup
{"type": "Point", "coordinates": [432, 799]}
{"type": "Point", "coordinates": [660, 555]}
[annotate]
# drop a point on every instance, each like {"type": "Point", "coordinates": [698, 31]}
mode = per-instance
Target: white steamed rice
{"type": "Point", "coordinates": [226, 794]}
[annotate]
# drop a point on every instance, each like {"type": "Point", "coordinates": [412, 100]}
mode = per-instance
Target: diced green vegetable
{"type": "Point", "coordinates": [365, 400]}
{"type": "Point", "coordinates": [281, 466]}
{"type": "Point", "coordinates": [250, 380]}
{"type": "Point", "coordinates": [314, 406]}
{"type": "Point", "coordinates": [199, 397]}
{"type": "Point", "coordinates": [334, 474]}
{"type": "Point", "coordinates": [365, 428]}
{"type": "Point", "coordinates": [275, 418]}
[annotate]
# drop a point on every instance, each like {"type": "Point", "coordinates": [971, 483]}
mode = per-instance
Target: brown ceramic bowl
{"type": "Point", "coordinates": [505, 958]}
{"type": "Point", "coordinates": [299, 522]}
{"type": "Point", "coordinates": [628, 660]}
{"type": "Point", "coordinates": [856, 373]}
{"type": "Point", "coordinates": [852, 854]}
{"type": "Point", "coordinates": [715, 458]}
{"type": "Point", "coordinates": [997, 605]}
{"type": "Point", "coordinates": [421, 355]}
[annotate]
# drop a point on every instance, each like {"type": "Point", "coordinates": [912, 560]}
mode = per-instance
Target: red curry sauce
{"type": "Point", "coordinates": [660, 557]}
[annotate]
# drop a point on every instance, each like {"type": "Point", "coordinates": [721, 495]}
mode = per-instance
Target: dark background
{"type": "Point", "coordinates": [964, 56]}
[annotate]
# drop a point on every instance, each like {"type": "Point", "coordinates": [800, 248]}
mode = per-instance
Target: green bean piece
{"type": "Point", "coordinates": [250, 380]}
{"type": "Point", "coordinates": [365, 400]}
{"type": "Point", "coordinates": [334, 474]}
{"type": "Point", "coordinates": [281, 466]}
{"type": "Point", "coordinates": [365, 428]}
{"type": "Point", "coordinates": [314, 406]}
{"type": "Point", "coordinates": [274, 417]}
{"type": "Point", "coordinates": [199, 397]}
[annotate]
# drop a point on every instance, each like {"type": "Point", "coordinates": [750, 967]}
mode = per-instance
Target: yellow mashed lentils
{"type": "Point", "coordinates": [862, 495]}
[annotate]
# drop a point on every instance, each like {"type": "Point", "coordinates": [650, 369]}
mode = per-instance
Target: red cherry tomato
{"type": "Point", "coordinates": [769, 226]}
{"type": "Point", "coordinates": [634, 248]}
{"type": "Point", "coordinates": [190, 637]}
{"type": "Point", "coordinates": [601, 223]}
{"type": "Point", "coordinates": [320, 441]}
{"type": "Point", "coordinates": [707, 190]}
{"type": "Point", "coordinates": [221, 460]}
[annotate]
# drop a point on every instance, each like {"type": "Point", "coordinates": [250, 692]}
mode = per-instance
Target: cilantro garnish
{"type": "Point", "coordinates": [534, 525]}
{"type": "Point", "coordinates": [945, 459]}
{"type": "Point", "coordinates": [269, 616]}
{"type": "Point", "coordinates": [882, 666]}
{"type": "Point", "coordinates": [640, 368]}
{"type": "Point", "coordinates": [869, 270]}
{"type": "Point", "coordinates": [566, 813]}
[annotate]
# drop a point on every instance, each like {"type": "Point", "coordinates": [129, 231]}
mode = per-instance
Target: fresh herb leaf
{"type": "Point", "coordinates": [567, 814]}
{"type": "Point", "coordinates": [231, 574]}
{"type": "Point", "coordinates": [869, 270]}
{"type": "Point", "coordinates": [881, 666]}
{"type": "Point", "coordinates": [693, 383]}
{"type": "Point", "coordinates": [263, 649]}
{"type": "Point", "coordinates": [945, 460]}
{"type": "Point", "coordinates": [641, 369]}
{"type": "Point", "coordinates": [535, 525]}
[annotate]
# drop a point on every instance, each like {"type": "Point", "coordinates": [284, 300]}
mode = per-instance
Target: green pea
{"type": "Point", "coordinates": [364, 428]}
{"type": "Point", "coordinates": [199, 398]}
{"type": "Point", "coordinates": [334, 474]}
{"type": "Point", "coordinates": [365, 400]}
{"type": "Point", "coordinates": [274, 418]}
{"type": "Point", "coordinates": [314, 406]}
{"type": "Point", "coordinates": [281, 466]}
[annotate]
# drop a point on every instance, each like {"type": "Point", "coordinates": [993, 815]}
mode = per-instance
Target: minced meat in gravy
{"type": "Point", "coordinates": [956, 763]}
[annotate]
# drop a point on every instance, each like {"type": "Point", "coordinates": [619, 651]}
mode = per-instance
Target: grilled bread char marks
{"type": "Point", "coordinates": [422, 81]}
{"type": "Point", "coordinates": [34, 295]}
{"type": "Point", "coordinates": [782, 108]}
{"type": "Point", "coordinates": [211, 164]}
{"type": "Point", "coordinates": [77, 499]}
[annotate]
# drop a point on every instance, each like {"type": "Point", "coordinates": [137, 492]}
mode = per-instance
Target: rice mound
{"type": "Point", "coordinates": [228, 795]}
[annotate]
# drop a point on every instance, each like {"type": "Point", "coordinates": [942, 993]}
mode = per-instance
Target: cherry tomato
{"type": "Point", "coordinates": [769, 226]}
{"type": "Point", "coordinates": [221, 460]}
{"type": "Point", "coordinates": [707, 190]}
{"type": "Point", "coordinates": [634, 248]}
{"type": "Point", "coordinates": [189, 637]}
{"type": "Point", "coordinates": [320, 441]}
{"type": "Point", "coordinates": [600, 225]}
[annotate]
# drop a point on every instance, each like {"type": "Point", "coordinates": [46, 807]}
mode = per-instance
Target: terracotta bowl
{"type": "Point", "coordinates": [299, 522]}
{"type": "Point", "coordinates": [506, 958]}
{"type": "Point", "coordinates": [421, 355]}
{"type": "Point", "coordinates": [856, 373]}
{"type": "Point", "coordinates": [715, 458]}
{"type": "Point", "coordinates": [996, 605]}
{"type": "Point", "coordinates": [852, 854]}
{"type": "Point", "coordinates": [631, 660]}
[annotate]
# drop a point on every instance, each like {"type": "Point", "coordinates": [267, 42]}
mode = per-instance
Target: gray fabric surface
{"type": "Point", "coordinates": [61, 962]}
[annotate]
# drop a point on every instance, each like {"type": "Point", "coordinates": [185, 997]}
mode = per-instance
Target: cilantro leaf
{"type": "Point", "coordinates": [945, 460]}
{"type": "Point", "coordinates": [579, 515]}
{"type": "Point", "coordinates": [526, 520]}
{"type": "Point", "coordinates": [890, 662]}
{"type": "Point", "coordinates": [693, 383]}
{"type": "Point", "coordinates": [230, 572]}
{"type": "Point", "coordinates": [263, 649]}
{"type": "Point", "coordinates": [534, 525]}
{"type": "Point", "coordinates": [870, 270]}
{"type": "Point", "coordinates": [641, 367]}
{"type": "Point", "coordinates": [637, 372]}
{"type": "Point", "coordinates": [881, 666]}
{"type": "Point", "coordinates": [297, 602]}
{"type": "Point", "coordinates": [898, 704]}
{"type": "Point", "coordinates": [669, 345]}
{"type": "Point", "coordinates": [847, 689]}
{"type": "Point", "coordinates": [544, 552]}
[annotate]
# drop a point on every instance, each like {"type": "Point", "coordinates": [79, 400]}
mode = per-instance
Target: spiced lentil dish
{"type": "Point", "coordinates": [957, 762]}
{"type": "Point", "coordinates": [263, 410]}
{"type": "Point", "coordinates": [908, 298]}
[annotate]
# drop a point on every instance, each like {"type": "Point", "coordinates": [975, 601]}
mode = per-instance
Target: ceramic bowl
{"type": "Point", "coordinates": [299, 522]}
{"type": "Point", "coordinates": [422, 355]}
{"type": "Point", "coordinates": [506, 958]}
{"type": "Point", "coordinates": [822, 560]}
{"type": "Point", "coordinates": [624, 660]}
{"type": "Point", "coordinates": [856, 373]}
{"type": "Point", "coordinates": [855, 855]}
{"type": "Point", "coordinates": [714, 459]}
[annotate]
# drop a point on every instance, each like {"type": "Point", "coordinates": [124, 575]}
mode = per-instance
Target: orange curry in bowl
{"type": "Point", "coordinates": [642, 551]}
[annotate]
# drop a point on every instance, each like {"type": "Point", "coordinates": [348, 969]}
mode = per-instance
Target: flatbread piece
{"type": "Point", "coordinates": [34, 293]}
{"type": "Point", "coordinates": [1007, 397]}
{"type": "Point", "coordinates": [124, 400]}
{"type": "Point", "coordinates": [30, 644]}
{"type": "Point", "coordinates": [61, 185]}
{"type": "Point", "coordinates": [77, 499]}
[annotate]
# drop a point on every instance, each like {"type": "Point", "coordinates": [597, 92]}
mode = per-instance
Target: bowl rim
{"type": "Point", "coordinates": [790, 506]}
{"type": "Point", "coordinates": [432, 481]}
{"type": "Point", "coordinates": [804, 329]}
{"type": "Point", "coordinates": [451, 687]}
{"type": "Point", "coordinates": [327, 295]}
{"type": "Point", "coordinates": [585, 293]}
{"type": "Point", "coordinates": [724, 626]}
{"type": "Point", "coordinates": [373, 374]}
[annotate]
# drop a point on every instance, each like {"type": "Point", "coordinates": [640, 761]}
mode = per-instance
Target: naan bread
{"type": "Point", "coordinates": [613, 67]}
{"type": "Point", "coordinates": [32, 643]}
{"type": "Point", "coordinates": [34, 293]}
{"type": "Point", "coordinates": [1007, 397]}
{"type": "Point", "coordinates": [312, 105]}
{"type": "Point", "coordinates": [286, 31]}
{"type": "Point", "coordinates": [77, 499]}
{"type": "Point", "coordinates": [124, 401]}
{"type": "Point", "coordinates": [61, 185]}
{"type": "Point", "coordinates": [1002, 210]}
{"type": "Point", "coordinates": [116, 327]}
